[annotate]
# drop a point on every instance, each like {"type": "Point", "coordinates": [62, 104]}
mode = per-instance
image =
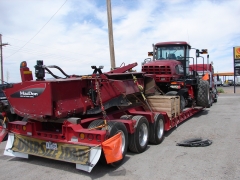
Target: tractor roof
{"type": "Point", "coordinates": [172, 43]}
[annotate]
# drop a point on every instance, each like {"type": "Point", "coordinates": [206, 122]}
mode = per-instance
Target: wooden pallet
{"type": "Point", "coordinates": [168, 104]}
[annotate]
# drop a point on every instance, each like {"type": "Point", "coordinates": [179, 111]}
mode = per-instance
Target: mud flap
{"type": "Point", "coordinates": [3, 133]}
{"type": "Point", "coordinates": [95, 154]}
{"type": "Point", "coordinates": [8, 149]}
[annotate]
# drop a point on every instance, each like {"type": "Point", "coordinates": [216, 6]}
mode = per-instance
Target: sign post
{"type": "Point", "coordinates": [236, 63]}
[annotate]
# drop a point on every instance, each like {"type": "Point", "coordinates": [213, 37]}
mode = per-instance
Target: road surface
{"type": "Point", "coordinates": [221, 160]}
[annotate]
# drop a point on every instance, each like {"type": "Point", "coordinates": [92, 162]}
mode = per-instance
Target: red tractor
{"type": "Point", "coordinates": [174, 76]}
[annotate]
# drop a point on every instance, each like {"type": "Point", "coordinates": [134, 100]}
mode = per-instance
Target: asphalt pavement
{"type": "Point", "coordinates": [166, 161]}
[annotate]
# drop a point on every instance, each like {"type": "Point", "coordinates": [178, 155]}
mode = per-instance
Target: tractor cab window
{"type": "Point", "coordinates": [170, 52]}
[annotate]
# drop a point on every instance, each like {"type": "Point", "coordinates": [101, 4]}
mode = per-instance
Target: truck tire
{"type": "Point", "coordinates": [215, 99]}
{"type": "Point", "coordinates": [210, 102]}
{"type": "Point", "coordinates": [182, 100]}
{"type": "Point", "coordinates": [157, 129]}
{"type": "Point", "coordinates": [215, 96]}
{"type": "Point", "coordinates": [203, 94]}
{"type": "Point", "coordinates": [115, 127]}
{"type": "Point", "coordinates": [138, 141]}
{"type": "Point", "coordinates": [95, 123]}
{"type": "Point", "coordinates": [126, 117]}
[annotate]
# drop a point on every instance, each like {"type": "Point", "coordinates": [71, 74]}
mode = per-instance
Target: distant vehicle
{"type": "Point", "coordinates": [217, 81]}
{"type": "Point", "coordinates": [225, 84]}
{"type": "Point", "coordinates": [230, 82]}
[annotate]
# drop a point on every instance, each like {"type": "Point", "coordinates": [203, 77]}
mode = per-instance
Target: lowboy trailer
{"type": "Point", "coordinates": [86, 119]}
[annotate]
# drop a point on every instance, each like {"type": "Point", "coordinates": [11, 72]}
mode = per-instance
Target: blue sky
{"type": "Point", "coordinates": [77, 36]}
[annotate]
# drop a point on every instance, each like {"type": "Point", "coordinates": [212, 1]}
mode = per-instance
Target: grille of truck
{"type": "Point", "coordinates": [157, 69]}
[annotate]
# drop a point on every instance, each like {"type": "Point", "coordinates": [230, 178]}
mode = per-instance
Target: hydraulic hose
{"type": "Point", "coordinates": [54, 66]}
{"type": "Point", "coordinates": [50, 72]}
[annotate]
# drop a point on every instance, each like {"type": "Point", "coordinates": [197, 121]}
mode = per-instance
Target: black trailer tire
{"type": "Point", "coordinates": [157, 129]}
{"type": "Point", "coordinates": [115, 127]}
{"type": "Point", "coordinates": [203, 94]}
{"type": "Point", "coordinates": [138, 141]}
{"type": "Point", "coordinates": [126, 116]}
{"type": "Point", "coordinates": [182, 100]}
{"type": "Point", "coordinates": [95, 123]}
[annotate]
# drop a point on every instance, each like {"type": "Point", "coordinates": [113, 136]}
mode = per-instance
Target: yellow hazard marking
{"type": "Point", "coordinates": [27, 72]}
{"type": "Point", "coordinates": [64, 152]}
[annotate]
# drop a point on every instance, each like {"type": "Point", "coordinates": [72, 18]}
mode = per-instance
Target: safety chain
{"type": "Point", "coordinates": [143, 103]}
{"type": "Point", "coordinates": [101, 103]}
{"type": "Point", "coordinates": [140, 87]}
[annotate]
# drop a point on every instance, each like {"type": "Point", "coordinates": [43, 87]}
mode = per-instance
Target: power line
{"type": "Point", "coordinates": [41, 46]}
{"type": "Point", "coordinates": [39, 30]}
{"type": "Point", "coordinates": [43, 54]}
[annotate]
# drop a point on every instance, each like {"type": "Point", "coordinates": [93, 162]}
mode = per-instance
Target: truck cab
{"type": "Point", "coordinates": [170, 62]}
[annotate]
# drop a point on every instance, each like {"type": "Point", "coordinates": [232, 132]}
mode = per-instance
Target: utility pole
{"type": "Point", "coordinates": [1, 62]}
{"type": "Point", "coordinates": [110, 34]}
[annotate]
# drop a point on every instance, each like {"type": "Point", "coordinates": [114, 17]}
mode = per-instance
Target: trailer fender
{"type": "Point", "coordinates": [9, 145]}
{"type": "Point", "coordinates": [95, 154]}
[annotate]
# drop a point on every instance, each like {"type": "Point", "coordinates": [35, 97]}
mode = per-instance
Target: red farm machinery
{"type": "Point", "coordinates": [174, 75]}
{"type": "Point", "coordinates": [73, 118]}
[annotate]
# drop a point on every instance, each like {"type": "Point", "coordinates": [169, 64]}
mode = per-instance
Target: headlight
{"type": "Point", "coordinates": [175, 86]}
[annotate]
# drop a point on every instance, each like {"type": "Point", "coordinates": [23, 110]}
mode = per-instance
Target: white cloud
{"type": "Point", "coordinates": [77, 37]}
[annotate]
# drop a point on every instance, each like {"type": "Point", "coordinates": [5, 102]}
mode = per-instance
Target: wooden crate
{"type": "Point", "coordinates": [168, 104]}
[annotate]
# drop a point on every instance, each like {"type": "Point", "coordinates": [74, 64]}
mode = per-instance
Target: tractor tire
{"type": "Point", "coordinates": [215, 96]}
{"type": "Point", "coordinates": [215, 100]}
{"type": "Point", "coordinates": [182, 100]}
{"type": "Point", "coordinates": [115, 127]}
{"type": "Point", "coordinates": [203, 94]}
{"type": "Point", "coordinates": [138, 141]}
{"type": "Point", "coordinates": [210, 103]}
{"type": "Point", "coordinates": [157, 130]}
